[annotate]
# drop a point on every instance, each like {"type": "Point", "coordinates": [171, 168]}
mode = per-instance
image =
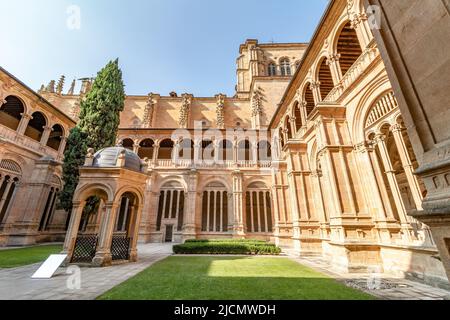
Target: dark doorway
{"type": "Point", "coordinates": [169, 233]}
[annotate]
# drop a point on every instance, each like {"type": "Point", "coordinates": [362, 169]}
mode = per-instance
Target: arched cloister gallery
{"type": "Point", "coordinates": [311, 152]}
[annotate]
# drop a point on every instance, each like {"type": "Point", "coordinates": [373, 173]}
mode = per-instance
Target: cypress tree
{"type": "Point", "coordinates": [97, 128]}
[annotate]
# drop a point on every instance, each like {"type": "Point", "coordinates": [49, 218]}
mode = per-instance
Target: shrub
{"type": "Point", "coordinates": [254, 247]}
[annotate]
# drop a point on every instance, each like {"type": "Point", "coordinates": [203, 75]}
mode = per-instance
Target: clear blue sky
{"type": "Point", "coordinates": [163, 45]}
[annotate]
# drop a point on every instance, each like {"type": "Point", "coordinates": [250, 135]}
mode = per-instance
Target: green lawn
{"type": "Point", "coordinates": [12, 258]}
{"type": "Point", "coordinates": [230, 278]}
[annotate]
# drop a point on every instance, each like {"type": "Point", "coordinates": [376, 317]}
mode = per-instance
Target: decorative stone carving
{"type": "Point", "coordinates": [75, 112]}
{"type": "Point", "coordinates": [72, 88]}
{"type": "Point", "coordinates": [148, 112]}
{"type": "Point", "coordinates": [60, 85]}
{"type": "Point", "coordinates": [220, 111]}
{"type": "Point", "coordinates": [314, 85]}
{"type": "Point", "coordinates": [257, 103]}
{"type": "Point", "coordinates": [50, 87]}
{"type": "Point", "coordinates": [185, 109]}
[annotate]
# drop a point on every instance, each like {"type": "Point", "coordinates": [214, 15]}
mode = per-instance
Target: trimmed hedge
{"type": "Point", "coordinates": [254, 247]}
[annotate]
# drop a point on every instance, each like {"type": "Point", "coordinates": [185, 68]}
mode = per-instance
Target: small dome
{"type": "Point", "coordinates": [107, 158]}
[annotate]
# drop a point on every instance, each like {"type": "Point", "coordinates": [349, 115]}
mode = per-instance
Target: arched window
{"type": "Point", "coordinates": [264, 151]}
{"type": "Point", "coordinates": [298, 116]}
{"type": "Point", "coordinates": [258, 209]}
{"type": "Point", "coordinates": [171, 207]}
{"type": "Point", "coordinates": [10, 173]}
{"type": "Point", "coordinates": [215, 208]}
{"type": "Point", "coordinates": [348, 47]}
{"type": "Point", "coordinates": [225, 150]}
{"type": "Point", "coordinates": [186, 151]}
{"type": "Point", "coordinates": [244, 151]}
{"type": "Point", "coordinates": [208, 152]}
{"type": "Point", "coordinates": [272, 70]}
{"type": "Point", "coordinates": [325, 79]}
{"type": "Point", "coordinates": [308, 97]}
{"type": "Point", "coordinates": [146, 149]}
{"type": "Point", "coordinates": [36, 126]}
{"type": "Point", "coordinates": [165, 149]}
{"type": "Point", "coordinates": [285, 67]}
{"type": "Point", "coordinates": [128, 144]}
{"type": "Point", "coordinates": [11, 112]}
{"type": "Point", "coordinates": [55, 138]}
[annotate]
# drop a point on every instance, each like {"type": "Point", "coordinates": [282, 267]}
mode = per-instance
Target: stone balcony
{"type": "Point", "coordinates": [209, 164]}
{"type": "Point", "coordinates": [28, 143]}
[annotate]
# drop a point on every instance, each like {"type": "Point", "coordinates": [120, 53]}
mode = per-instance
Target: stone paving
{"type": "Point", "coordinates": [381, 286]}
{"type": "Point", "coordinates": [16, 283]}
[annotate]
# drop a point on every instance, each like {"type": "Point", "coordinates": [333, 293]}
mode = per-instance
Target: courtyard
{"type": "Point", "coordinates": [160, 275]}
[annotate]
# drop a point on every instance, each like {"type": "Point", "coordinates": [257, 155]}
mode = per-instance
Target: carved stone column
{"type": "Point", "coordinates": [220, 113]}
{"type": "Point", "coordinates": [24, 123]}
{"type": "Point", "coordinates": [185, 110]}
{"type": "Point", "coordinates": [46, 135]}
{"type": "Point", "coordinates": [407, 165]}
{"type": "Point", "coordinates": [238, 207]}
{"type": "Point", "coordinates": [190, 228]}
{"type": "Point", "coordinates": [72, 232]}
{"type": "Point", "coordinates": [333, 63]}
{"type": "Point", "coordinates": [103, 255]}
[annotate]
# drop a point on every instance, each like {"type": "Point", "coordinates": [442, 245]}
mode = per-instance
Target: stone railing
{"type": "Point", "coordinates": [28, 143]}
{"type": "Point", "coordinates": [356, 70]}
{"type": "Point", "coordinates": [209, 164]}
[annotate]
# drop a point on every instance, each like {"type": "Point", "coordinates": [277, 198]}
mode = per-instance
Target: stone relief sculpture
{"type": "Point", "coordinates": [184, 111]}
{"type": "Point", "coordinates": [148, 112]}
{"type": "Point", "coordinates": [220, 111]}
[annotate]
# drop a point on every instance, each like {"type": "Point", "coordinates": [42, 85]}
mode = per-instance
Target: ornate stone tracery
{"type": "Point", "coordinates": [220, 111]}
{"type": "Point", "coordinates": [185, 110]}
{"type": "Point", "coordinates": [148, 112]}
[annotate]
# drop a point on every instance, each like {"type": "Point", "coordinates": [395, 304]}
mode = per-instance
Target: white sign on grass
{"type": "Point", "coordinates": [50, 266]}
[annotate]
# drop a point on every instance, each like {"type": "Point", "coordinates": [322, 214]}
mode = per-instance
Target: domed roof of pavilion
{"type": "Point", "coordinates": [107, 158]}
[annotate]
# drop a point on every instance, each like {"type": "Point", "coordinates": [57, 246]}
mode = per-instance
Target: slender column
{"type": "Point", "coordinates": [208, 212]}
{"type": "Point", "coordinates": [9, 219]}
{"type": "Point", "coordinates": [46, 135]}
{"type": "Point", "coordinates": [155, 154]}
{"type": "Point", "coordinates": [252, 212]}
{"type": "Point", "coordinates": [319, 207]}
{"type": "Point", "coordinates": [47, 212]}
{"type": "Point", "coordinates": [214, 210]}
{"type": "Point", "coordinates": [362, 28]}
{"type": "Point", "coordinates": [378, 198]}
{"type": "Point", "coordinates": [125, 216]}
{"type": "Point", "coordinates": [24, 123]}
{"type": "Point", "coordinates": [390, 173]}
{"type": "Point", "coordinates": [315, 88]}
{"type": "Point", "coordinates": [266, 221]}
{"type": "Point", "coordinates": [103, 256]}
{"type": "Point", "coordinates": [407, 165]}
{"type": "Point", "coordinates": [137, 215]}
{"type": "Point", "coordinates": [136, 147]}
{"type": "Point", "coordinates": [221, 211]}
{"type": "Point", "coordinates": [72, 232]}
{"type": "Point", "coordinates": [62, 146]}
{"type": "Point", "coordinates": [9, 184]}
{"type": "Point", "coordinates": [333, 63]}
{"type": "Point", "coordinates": [171, 203]}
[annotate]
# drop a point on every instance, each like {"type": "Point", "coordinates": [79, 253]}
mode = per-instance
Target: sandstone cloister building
{"type": "Point", "coordinates": [311, 152]}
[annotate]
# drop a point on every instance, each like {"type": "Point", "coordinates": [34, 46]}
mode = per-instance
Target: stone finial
{"type": "Point", "coordinates": [257, 103]}
{"type": "Point", "coordinates": [89, 159]}
{"type": "Point", "coordinates": [60, 85]}
{"type": "Point", "coordinates": [50, 87]}
{"type": "Point", "coordinates": [72, 88]}
{"type": "Point", "coordinates": [41, 89]}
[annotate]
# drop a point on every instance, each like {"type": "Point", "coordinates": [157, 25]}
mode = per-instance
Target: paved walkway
{"type": "Point", "coordinates": [380, 285]}
{"type": "Point", "coordinates": [16, 284]}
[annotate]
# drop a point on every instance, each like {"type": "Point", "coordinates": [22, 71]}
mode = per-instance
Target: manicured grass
{"type": "Point", "coordinates": [12, 258]}
{"type": "Point", "coordinates": [230, 278]}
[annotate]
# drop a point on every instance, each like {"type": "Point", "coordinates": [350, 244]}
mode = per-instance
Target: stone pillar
{"type": "Point", "coordinates": [62, 146]}
{"type": "Point", "coordinates": [407, 165]}
{"type": "Point", "coordinates": [315, 88]}
{"type": "Point", "coordinates": [362, 28]}
{"type": "Point", "coordinates": [103, 255]}
{"type": "Point", "coordinates": [335, 68]}
{"type": "Point", "coordinates": [294, 201]}
{"type": "Point", "coordinates": [238, 207]}
{"type": "Point", "coordinates": [46, 135]}
{"type": "Point", "coordinates": [390, 173]}
{"type": "Point", "coordinates": [24, 123]}
{"type": "Point", "coordinates": [190, 227]}
{"type": "Point", "coordinates": [134, 232]}
{"type": "Point", "coordinates": [72, 231]}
